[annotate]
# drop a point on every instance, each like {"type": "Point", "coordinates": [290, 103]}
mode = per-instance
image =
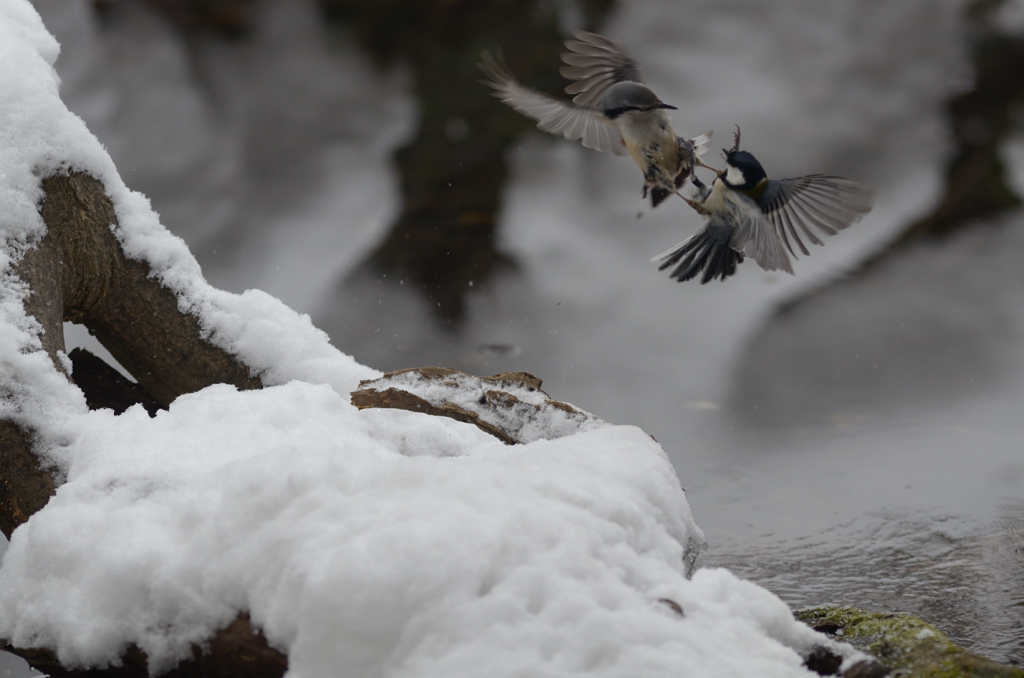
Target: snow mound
{"type": "Point", "coordinates": [362, 543]}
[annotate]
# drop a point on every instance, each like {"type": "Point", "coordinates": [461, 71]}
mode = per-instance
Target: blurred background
{"type": "Point", "coordinates": [852, 434]}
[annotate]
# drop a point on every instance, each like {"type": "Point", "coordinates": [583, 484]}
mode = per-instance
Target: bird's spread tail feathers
{"type": "Point", "coordinates": [707, 251]}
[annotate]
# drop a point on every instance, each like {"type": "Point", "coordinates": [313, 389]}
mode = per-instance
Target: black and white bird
{"type": "Point", "coordinates": [749, 214]}
{"type": "Point", "coordinates": [612, 111]}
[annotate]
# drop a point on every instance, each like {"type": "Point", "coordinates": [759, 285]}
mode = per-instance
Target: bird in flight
{"type": "Point", "coordinates": [749, 214]}
{"type": "Point", "coordinates": [612, 111]}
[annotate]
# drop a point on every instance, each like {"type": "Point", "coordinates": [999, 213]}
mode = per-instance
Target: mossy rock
{"type": "Point", "coordinates": [904, 643]}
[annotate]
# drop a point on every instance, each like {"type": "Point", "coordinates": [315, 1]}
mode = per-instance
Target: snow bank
{"type": "Point", "coordinates": [363, 543]}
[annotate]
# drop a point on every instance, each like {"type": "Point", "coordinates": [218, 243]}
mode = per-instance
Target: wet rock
{"type": "Point", "coordinates": [823, 661]}
{"type": "Point", "coordinates": [867, 668]}
{"type": "Point", "coordinates": [828, 628]}
{"type": "Point", "coordinates": [901, 644]}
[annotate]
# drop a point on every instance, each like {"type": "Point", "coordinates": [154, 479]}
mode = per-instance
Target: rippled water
{"type": "Point", "coordinates": [965, 578]}
{"type": "Point", "coordinates": [862, 449]}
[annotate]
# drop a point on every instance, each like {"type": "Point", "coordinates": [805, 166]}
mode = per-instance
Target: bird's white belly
{"type": "Point", "coordinates": [650, 141]}
{"type": "Point", "coordinates": [724, 200]}
{"type": "Point", "coordinates": [716, 201]}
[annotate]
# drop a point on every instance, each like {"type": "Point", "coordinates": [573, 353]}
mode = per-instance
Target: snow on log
{"type": "Point", "coordinates": [510, 406]}
{"type": "Point", "coordinates": [236, 651]}
{"type": "Point", "coordinates": [78, 272]}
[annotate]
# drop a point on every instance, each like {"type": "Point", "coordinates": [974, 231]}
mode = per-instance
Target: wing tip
{"type": "Point", "coordinates": [494, 67]}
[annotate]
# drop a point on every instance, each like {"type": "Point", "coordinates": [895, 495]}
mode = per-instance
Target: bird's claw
{"type": "Point", "coordinates": [701, 163]}
{"type": "Point", "coordinates": [698, 207]}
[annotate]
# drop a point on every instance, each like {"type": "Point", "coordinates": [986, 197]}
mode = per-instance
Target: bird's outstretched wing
{"type": "Point", "coordinates": [734, 229]}
{"type": "Point", "coordinates": [813, 205]}
{"type": "Point", "coordinates": [708, 251]}
{"type": "Point", "coordinates": [571, 120]}
{"type": "Point", "coordinates": [594, 63]}
{"type": "Point", "coordinates": [758, 239]}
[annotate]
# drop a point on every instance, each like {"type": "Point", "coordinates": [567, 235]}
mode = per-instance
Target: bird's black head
{"type": "Point", "coordinates": [742, 171]}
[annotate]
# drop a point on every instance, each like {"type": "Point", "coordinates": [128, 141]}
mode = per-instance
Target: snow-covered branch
{"type": "Point", "coordinates": [78, 272]}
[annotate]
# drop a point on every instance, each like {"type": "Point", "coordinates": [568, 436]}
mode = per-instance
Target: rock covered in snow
{"type": "Point", "coordinates": [509, 406]}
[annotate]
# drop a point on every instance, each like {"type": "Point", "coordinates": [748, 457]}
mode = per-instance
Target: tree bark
{"type": "Point", "coordinates": [79, 273]}
{"type": "Point", "coordinates": [237, 651]}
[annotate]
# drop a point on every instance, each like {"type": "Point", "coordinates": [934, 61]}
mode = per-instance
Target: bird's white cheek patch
{"type": "Point", "coordinates": [734, 176]}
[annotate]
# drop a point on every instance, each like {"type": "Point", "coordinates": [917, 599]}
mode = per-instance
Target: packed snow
{"type": "Point", "coordinates": [362, 543]}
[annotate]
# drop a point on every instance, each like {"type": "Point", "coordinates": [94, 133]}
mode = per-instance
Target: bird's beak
{"type": "Point", "coordinates": [664, 105]}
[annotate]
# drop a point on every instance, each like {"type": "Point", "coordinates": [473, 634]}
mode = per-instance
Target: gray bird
{"type": "Point", "coordinates": [612, 111]}
{"type": "Point", "coordinates": [752, 215]}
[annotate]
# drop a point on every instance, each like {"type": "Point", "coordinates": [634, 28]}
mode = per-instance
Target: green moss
{"type": "Point", "coordinates": [904, 643]}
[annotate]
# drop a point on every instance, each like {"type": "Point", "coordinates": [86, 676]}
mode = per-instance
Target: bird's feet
{"type": "Point", "coordinates": [700, 163]}
{"type": "Point", "coordinates": [698, 207]}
